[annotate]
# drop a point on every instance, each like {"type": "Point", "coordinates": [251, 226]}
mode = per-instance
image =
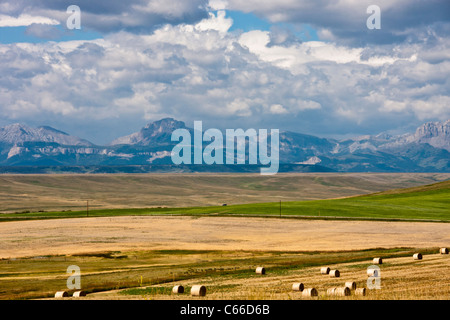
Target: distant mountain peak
{"type": "Point", "coordinates": [436, 134]}
{"type": "Point", "coordinates": [433, 129]}
{"type": "Point", "coordinates": [167, 120]}
{"type": "Point", "coordinates": [154, 133]}
{"type": "Point", "coordinates": [48, 128]}
{"type": "Point", "coordinates": [164, 125]}
{"type": "Point", "coordinates": [16, 127]}
{"type": "Point", "coordinates": [17, 134]}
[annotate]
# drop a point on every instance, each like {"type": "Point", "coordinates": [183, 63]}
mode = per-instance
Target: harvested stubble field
{"type": "Point", "coordinates": [228, 274]}
{"type": "Point", "coordinates": [85, 235]}
{"type": "Point", "coordinates": [219, 252]}
{"type": "Point", "coordinates": [400, 279]}
{"type": "Point", "coordinates": [137, 254]}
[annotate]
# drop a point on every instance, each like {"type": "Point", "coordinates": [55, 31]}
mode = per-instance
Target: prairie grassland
{"type": "Point", "coordinates": [57, 192]}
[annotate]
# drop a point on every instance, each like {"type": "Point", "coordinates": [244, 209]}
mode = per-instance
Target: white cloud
{"type": "Point", "coordinates": [239, 107]}
{"type": "Point", "coordinates": [435, 107]}
{"type": "Point", "coordinates": [218, 23]}
{"type": "Point", "coordinates": [278, 109]}
{"type": "Point", "coordinates": [218, 4]}
{"type": "Point", "coordinates": [307, 105]}
{"type": "Point", "coordinates": [326, 35]}
{"type": "Point", "coordinates": [393, 106]}
{"type": "Point", "coordinates": [345, 20]}
{"type": "Point", "coordinates": [50, 103]}
{"type": "Point", "coordinates": [295, 56]}
{"type": "Point", "coordinates": [201, 71]}
{"type": "Point", "coordinates": [143, 99]}
{"type": "Point", "coordinates": [135, 16]}
{"type": "Point", "coordinates": [25, 20]}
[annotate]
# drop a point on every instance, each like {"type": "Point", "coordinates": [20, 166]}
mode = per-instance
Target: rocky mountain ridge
{"type": "Point", "coordinates": [425, 150]}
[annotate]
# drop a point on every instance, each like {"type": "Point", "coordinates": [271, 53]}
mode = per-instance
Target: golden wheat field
{"type": "Point", "coordinates": [400, 279]}
{"type": "Point", "coordinates": [84, 235]}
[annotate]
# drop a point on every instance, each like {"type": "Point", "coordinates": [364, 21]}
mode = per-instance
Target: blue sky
{"type": "Point", "coordinates": [247, 21]}
{"type": "Point", "coordinates": [310, 67]}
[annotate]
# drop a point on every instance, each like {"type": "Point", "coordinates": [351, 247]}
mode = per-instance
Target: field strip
{"type": "Point", "coordinates": [72, 236]}
{"type": "Point", "coordinates": [64, 275]}
{"type": "Point", "coordinates": [224, 214]}
{"type": "Point", "coordinates": [302, 217]}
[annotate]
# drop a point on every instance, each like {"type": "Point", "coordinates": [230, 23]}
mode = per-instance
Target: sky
{"type": "Point", "coordinates": [312, 67]}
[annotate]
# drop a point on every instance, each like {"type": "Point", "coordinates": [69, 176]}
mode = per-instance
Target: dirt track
{"type": "Point", "coordinates": [68, 236]}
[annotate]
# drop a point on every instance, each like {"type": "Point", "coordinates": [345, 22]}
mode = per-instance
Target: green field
{"type": "Point", "coordinates": [428, 203]}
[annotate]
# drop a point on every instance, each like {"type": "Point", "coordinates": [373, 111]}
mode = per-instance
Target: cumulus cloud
{"type": "Point", "coordinates": [219, 22]}
{"type": "Point", "coordinates": [25, 20]}
{"type": "Point", "coordinates": [217, 4]}
{"type": "Point", "coordinates": [346, 19]}
{"type": "Point", "coordinates": [106, 16]}
{"type": "Point", "coordinates": [202, 71]}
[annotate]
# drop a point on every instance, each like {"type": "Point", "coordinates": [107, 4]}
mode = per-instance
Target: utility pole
{"type": "Point", "coordinates": [87, 208]}
{"type": "Point", "coordinates": [280, 208]}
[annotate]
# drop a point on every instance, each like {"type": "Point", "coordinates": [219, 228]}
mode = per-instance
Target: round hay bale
{"type": "Point", "coordinates": [443, 251]}
{"type": "Point", "coordinates": [372, 272]}
{"type": "Point", "coordinates": [178, 289]}
{"type": "Point", "coordinates": [377, 261]}
{"type": "Point", "coordinates": [331, 291]}
{"type": "Point", "coordinates": [310, 292]}
{"type": "Point", "coordinates": [342, 292]}
{"type": "Point", "coordinates": [351, 285]}
{"type": "Point", "coordinates": [417, 256]}
{"type": "Point", "coordinates": [360, 291]}
{"type": "Point", "coordinates": [198, 290]}
{"type": "Point", "coordinates": [61, 294]}
{"type": "Point", "coordinates": [78, 294]}
{"type": "Point", "coordinates": [298, 286]}
{"type": "Point", "coordinates": [324, 270]}
{"type": "Point", "coordinates": [335, 273]}
{"type": "Point", "coordinates": [260, 270]}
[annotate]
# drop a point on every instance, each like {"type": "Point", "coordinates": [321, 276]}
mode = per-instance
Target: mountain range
{"type": "Point", "coordinates": [425, 150]}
